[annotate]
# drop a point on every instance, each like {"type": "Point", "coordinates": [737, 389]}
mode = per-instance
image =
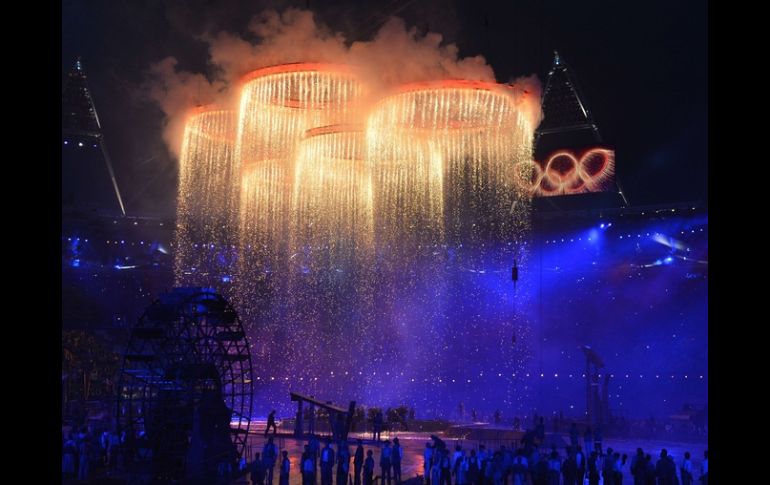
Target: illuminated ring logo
{"type": "Point", "coordinates": [566, 173]}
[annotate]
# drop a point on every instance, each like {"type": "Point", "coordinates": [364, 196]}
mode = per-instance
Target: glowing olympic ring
{"type": "Point", "coordinates": [565, 173]}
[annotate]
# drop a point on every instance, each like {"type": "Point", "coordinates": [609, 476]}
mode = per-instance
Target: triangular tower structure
{"type": "Point", "coordinates": [567, 121]}
{"type": "Point", "coordinates": [88, 180]}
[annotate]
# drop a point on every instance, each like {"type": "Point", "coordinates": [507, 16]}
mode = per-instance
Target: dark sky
{"type": "Point", "coordinates": [641, 67]}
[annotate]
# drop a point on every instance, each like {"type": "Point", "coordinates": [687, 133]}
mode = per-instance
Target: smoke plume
{"type": "Point", "coordinates": [397, 54]}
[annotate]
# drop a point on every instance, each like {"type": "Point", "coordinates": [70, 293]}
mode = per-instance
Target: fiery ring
{"type": "Point", "coordinates": [566, 173]}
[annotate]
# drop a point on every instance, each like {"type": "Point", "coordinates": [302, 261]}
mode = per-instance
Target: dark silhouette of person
{"type": "Point", "coordinates": [593, 469]}
{"type": "Point", "coordinates": [369, 468]}
{"type": "Point", "coordinates": [569, 469]}
{"type": "Point", "coordinates": [492, 467]}
{"type": "Point", "coordinates": [308, 466]}
{"type": "Point", "coordinates": [498, 414]}
{"type": "Point", "coordinates": [285, 469]}
{"type": "Point", "coordinates": [541, 471]}
{"type": "Point", "coordinates": [377, 426]}
{"type": "Point", "coordinates": [327, 464]}
{"type": "Point", "coordinates": [639, 467]}
{"type": "Point", "coordinates": [502, 467]}
{"type": "Point", "coordinates": [271, 422]}
{"type": "Point", "coordinates": [704, 468]}
{"type": "Point", "coordinates": [84, 455]}
{"type": "Point", "coordinates": [665, 470]}
{"type": "Point", "coordinates": [520, 468]}
{"type": "Point", "coordinates": [427, 461]}
{"type": "Point", "coordinates": [474, 469]}
{"type": "Point", "coordinates": [686, 470]}
{"type": "Point", "coordinates": [446, 467]}
{"type": "Point", "coordinates": [608, 471]}
{"type": "Point", "coordinates": [649, 474]}
{"type": "Point", "coordinates": [358, 463]}
{"type": "Point", "coordinates": [554, 468]}
{"type": "Point", "coordinates": [581, 462]}
{"type": "Point", "coordinates": [385, 462]}
{"type": "Point", "coordinates": [343, 463]}
{"type": "Point", "coordinates": [257, 471]}
{"type": "Point", "coordinates": [269, 458]}
{"type": "Point", "coordinates": [315, 447]}
{"type": "Point", "coordinates": [619, 462]}
{"type": "Point", "coordinates": [396, 456]}
{"type": "Point", "coordinates": [483, 458]}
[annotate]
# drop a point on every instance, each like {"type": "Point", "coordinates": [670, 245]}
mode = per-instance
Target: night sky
{"type": "Point", "coordinates": [641, 68]}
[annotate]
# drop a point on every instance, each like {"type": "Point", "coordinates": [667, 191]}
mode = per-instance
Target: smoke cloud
{"type": "Point", "coordinates": [397, 54]}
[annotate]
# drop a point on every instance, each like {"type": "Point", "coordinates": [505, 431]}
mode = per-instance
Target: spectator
{"type": "Point", "coordinates": [257, 471]}
{"type": "Point", "coordinates": [427, 456]}
{"type": "Point", "coordinates": [358, 463]}
{"type": "Point", "coordinates": [369, 469]}
{"type": "Point", "coordinates": [396, 456]}
{"type": "Point", "coordinates": [269, 458]}
{"type": "Point", "coordinates": [686, 470]}
{"type": "Point", "coordinates": [285, 469]}
{"type": "Point", "coordinates": [271, 423]}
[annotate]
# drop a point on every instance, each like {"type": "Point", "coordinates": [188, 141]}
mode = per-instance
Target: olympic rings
{"type": "Point", "coordinates": [565, 173]}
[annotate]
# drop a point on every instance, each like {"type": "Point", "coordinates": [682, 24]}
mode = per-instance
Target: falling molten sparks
{"type": "Point", "coordinates": [443, 154]}
{"type": "Point", "coordinates": [207, 200]}
{"type": "Point", "coordinates": [278, 105]}
{"type": "Point", "coordinates": [332, 195]}
{"type": "Point", "coordinates": [339, 212]}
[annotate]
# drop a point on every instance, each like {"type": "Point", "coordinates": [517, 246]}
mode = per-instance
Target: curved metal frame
{"type": "Point", "coordinates": [188, 342]}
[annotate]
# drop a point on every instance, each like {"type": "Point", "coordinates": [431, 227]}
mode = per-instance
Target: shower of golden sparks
{"type": "Point", "coordinates": [332, 195]}
{"type": "Point", "coordinates": [331, 239]}
{"type": "Point", "coordinates": [443, 156]}
{"type": "Point", "coordinates": [407, 171]}
{"type": "Point", "coordinates": [344, 219]}
{"type": "Point", "coordinates": [278, 105]}
{"type": "Point", "coordinates": [207, 202]}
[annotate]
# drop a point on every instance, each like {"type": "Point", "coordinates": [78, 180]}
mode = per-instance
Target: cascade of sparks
{"type": "Point", "coordinates": [473, 132]}
{"type": "Point", "coordinates": [331, 239]}
{"type": "Point", "coordinates": [444, 157]}
{"type": "Point", "coordinates": [332, 196]}
{"type": "Point", "coordinates": [278, 105]}
{"type": "Point", "coordinates": [207, 201]}
{"type": "Point", "coordinates": [363, 236]}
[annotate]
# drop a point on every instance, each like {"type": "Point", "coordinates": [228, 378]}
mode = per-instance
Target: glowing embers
{"type": "Point", "coordinates": [443, 152]}
{"type": "Point", "coordinates": [207, 198]}
{"type": "Point", "coordinates": [332, 197]}
{"type": "Point", "coordinates": [564, 172]}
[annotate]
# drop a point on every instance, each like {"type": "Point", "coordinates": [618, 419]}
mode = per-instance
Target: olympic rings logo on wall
{"type": "Point", "coordinates": [567, 172]}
